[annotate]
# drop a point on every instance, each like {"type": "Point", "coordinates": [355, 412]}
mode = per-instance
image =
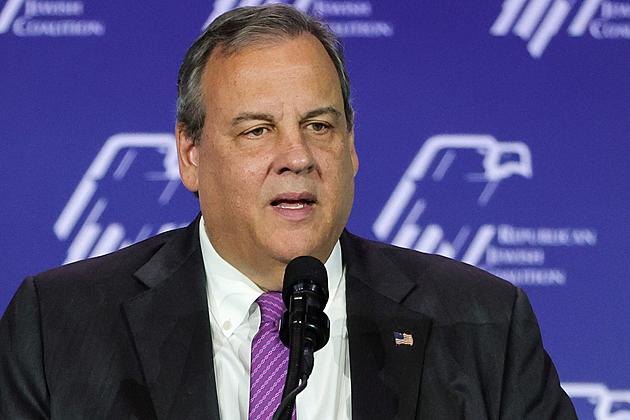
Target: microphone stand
{"type": "Point", "coordinates": [297, 349]}
{"type": "Point", "coordinates": [296, 379]}
{"type": "Point", "coordinates": [304, 328]}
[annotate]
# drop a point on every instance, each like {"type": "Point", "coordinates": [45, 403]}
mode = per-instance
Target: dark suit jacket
{"type": "Point", "coordinates": [127, 335]}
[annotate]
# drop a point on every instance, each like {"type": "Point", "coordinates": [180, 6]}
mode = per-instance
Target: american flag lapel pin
{"type": "Point", "coordinates": [403, 339]}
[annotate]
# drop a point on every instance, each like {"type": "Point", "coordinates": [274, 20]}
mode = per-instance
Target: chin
{"type": "Point", "coordinates": [293, 247]}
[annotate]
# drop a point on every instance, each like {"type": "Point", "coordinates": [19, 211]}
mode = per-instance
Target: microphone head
{"type": "Point", "coordinates": [305, 293]}
{"type": "Point", "coordinates": [305, 273]}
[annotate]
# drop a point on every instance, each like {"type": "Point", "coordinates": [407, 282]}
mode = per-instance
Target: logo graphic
{"type": "Point", "coordinates": [48, 18]}
{"type": "Point", "coordinates": [538, 21]}
{"type": "Point", "coordinates": [609, 404]}
{"type": "Point", "coordinates": [345, 18]}
{"type": "Point", "coordinates": [452, 179]}
{"type": "Point", "coordinates": [106, 210]}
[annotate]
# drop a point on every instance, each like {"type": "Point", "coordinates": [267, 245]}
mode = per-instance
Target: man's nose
{"type": "Point", "coordinates": [294, 154]}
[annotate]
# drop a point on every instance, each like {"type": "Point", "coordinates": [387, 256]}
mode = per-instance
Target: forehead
{"type": "Point", "coordinates": [271, 67]}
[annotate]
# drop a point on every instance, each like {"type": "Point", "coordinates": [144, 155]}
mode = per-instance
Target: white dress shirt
{"type": "Point", "coordinates": [234, 320]}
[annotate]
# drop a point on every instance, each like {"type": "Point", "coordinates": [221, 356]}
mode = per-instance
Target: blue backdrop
{"type": "Point", "coordinates": [494, 132]}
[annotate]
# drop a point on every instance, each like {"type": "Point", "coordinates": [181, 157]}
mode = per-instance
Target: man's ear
{"type": "Point", "coordinates": [353, 152]}
{"type": "Point", "coordinates": [188, 159]}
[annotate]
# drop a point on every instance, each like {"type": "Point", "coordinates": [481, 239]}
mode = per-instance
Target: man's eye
{"type": "Point", "coordinates": [256, 132]}
{"type": "Point", "coordinates": [319, 127]}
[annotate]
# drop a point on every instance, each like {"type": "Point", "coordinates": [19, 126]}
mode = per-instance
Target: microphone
{"type": "Point", "coordinates": [305, 293]}
{"type": "Point", "coordinates": [304, 327]}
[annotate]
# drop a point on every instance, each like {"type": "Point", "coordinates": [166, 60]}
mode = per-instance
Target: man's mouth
{"type": "Point", "coordinates": [293, 201]}
{"type": "Point", "coordinates": [291, 204]}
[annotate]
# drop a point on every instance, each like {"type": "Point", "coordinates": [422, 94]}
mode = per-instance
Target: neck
{"type": "Point", "coordinates": [266, 271]}
{"type": "Point", "coordinates": [269, 282]}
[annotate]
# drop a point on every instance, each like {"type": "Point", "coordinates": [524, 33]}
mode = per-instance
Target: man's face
{"type": "Point", "coordinates": [275, 165]}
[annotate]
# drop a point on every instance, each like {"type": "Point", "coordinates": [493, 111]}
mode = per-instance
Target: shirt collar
{"type": "Point", "coordinates": [231, 294]}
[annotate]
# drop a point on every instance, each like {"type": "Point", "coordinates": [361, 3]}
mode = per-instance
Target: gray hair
{"type": "Point", "coordinates": [237, 29]}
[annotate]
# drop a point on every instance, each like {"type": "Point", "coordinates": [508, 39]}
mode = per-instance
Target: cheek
{"type": "Point", "coordinates": [215, 176]}
{"type": "Point", "coordinates": [339, 170]}
{"type": "Point", "coordinates": [347, 173]}
{"type": "Point", "coordinates": [235, 180]}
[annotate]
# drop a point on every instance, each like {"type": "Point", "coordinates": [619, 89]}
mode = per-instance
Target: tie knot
{"type": "Point", "coordinates": [271, 307]}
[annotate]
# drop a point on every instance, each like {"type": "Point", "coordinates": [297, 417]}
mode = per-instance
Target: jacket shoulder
{"type": "Point", "coordinates": [443, 288]}
{"type": "Point", "coordinates": [124, 261]}
{"type": "Point", "coordinates": [104, 279]}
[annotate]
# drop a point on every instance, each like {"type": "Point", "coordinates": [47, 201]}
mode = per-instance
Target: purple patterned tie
{"type": "Point", "coordinates": [269, 360]}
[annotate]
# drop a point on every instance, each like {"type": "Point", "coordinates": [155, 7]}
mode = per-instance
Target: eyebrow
{"type": "Point", "coordinates": [248, 116]}
{"type": "Point", "coordinates": [320, 111]}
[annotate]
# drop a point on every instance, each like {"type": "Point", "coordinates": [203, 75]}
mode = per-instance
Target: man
{"type": "Point", "coordinates": [166, 328]}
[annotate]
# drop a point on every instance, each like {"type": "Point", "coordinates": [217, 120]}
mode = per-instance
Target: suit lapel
{"type": "Point", "coordinates": [385, 376]}
{"type": "Point", "coordinates": [170, 327]}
